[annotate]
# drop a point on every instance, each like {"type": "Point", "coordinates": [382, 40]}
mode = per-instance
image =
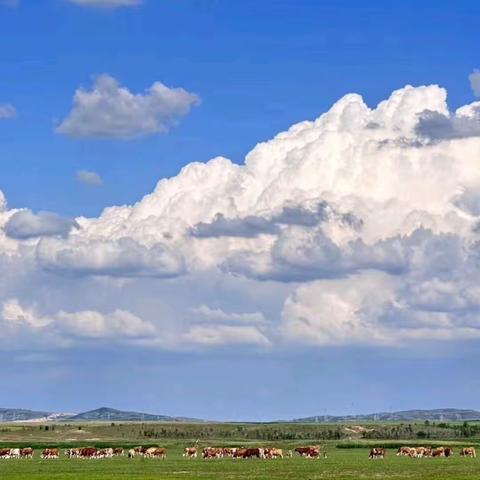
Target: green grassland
{"type": "Point", "coordinates": [347, 456]}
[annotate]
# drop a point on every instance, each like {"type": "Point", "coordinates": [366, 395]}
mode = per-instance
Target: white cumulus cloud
{"type": "Point", "coordinates": [358, 228]}
{"type": "Point", "coordinates": [25, 224]}
{"type": "Point", "coordinates": [109, 110]}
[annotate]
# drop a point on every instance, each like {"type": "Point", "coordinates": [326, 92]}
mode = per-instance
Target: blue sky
{"type": "Point", "coordinates": [258, 67]}
{"type": "Point", "coordinates": [206, 274]}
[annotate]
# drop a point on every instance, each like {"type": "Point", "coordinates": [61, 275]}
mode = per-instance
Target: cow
{"type": "Point", "coordinates": [254, 452]}
{"type": "Point", "coordinates": [404, 451]}
{"type": "Point", "coordinates": [26, 452]}
{"type": "Point", "coordinates": [448, 452]}
{"type": "Point", "coordinates": [212, 452]}
{"type": "Point", "coordinates": [438, 452]}
{"type": "Point", "coordinates": [140, 450]}
{"type": "Point", "coordinates": [118, 452]}
{"type": "Point", "coordinates": [14, 453]}
{"type": "Point", "coordinates": [468, 452]}
{"type": "Point", "coordinates": [239, 452]}
{"type": "Point", "coordinates": [309, 452]}
{"type": "Point", "coordinates": [190, 452]}
{"type": "Point", "coordinates": [228, 452]}
{"type": "Point", "coordinates": [5, 453]}
{"type": "Point", "coordinates": [105, 453]}
{"type": "Point", "coordinates": [156, 452]}
{"type": "Point", "coordinates": [131, 453]}
{"type": "Point", "coordinates": [273, 453]}
{"type": "Point", "coordinates": [50, 453]}
{"type": "Point", "coordinates": [377, 452]}
{"type": "Point", "coordinates": [88, 453]}
{"type": "Point", "coordinates": [289, 454]}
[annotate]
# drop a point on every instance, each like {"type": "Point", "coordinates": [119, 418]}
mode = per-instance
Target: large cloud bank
{"type": "Point", "coordinates": [359, 228]}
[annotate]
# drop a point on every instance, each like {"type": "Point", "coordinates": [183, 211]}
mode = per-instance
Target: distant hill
{"type": "Point", "coordinates": [17, 414]}
{"type": "Point", "coordinates": [440, 414]}
{"type": "Point", "coordinates": [103, 414]}
{"type": "Point", "coordinates": [106, 414]}
{"type": "Point", "coordinates": [111, 414]}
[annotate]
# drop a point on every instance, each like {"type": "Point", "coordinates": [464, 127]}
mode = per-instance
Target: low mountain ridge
{"type": "Point", "coordinates": [439, 414]}
{"type": "Point", "coordinates": [20, 414]}
{"type": "Point", "coordinates": [112, 414]}
{"type": "Point", "coordinates": [107, 414]}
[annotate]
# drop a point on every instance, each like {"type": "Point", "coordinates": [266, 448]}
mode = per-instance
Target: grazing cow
{"type": "Point", "coordinates": [190, 452]}
{"type": "Point", "coordinates": [14, 453]}
{"type": "Point", "coordinates": [88, 453]}
{"type": "Point", "coordinates": [239, 452]}
{"type": "Point", "coordinates": [50, 453]}
{"type": "Point", "coordinates": [309, 452]}
{"type": "Point", "coordinates": [438, 452]}
{"type": "Point", "coordinates": [377, 452]}
{"type": "Point", "coordinates": [156, 452]}
{"type": "Point", "coordinates": [254, 452]}
{"type": "Point", "coordinates": [103, 453]}
{"type": "Point", "coordinates": [212, 452]}
{"type": "Point", "coordinates": [118, 452]}
{"type": "Point", "coordinates": [448, 452]}
{"type": "Point", "coordinates": [26, 452]}
{"type": "Point", "coordinates": [228, 452]}
{"type": "Point", "coordinates": [140, 450]}
{"type": "Point", "coordinates": [273, 453]}
{"type": "Point", "coordinates": [289, 454]}
{"type": "Point", "coordinates": [4, 453]}
{"type": "Point", "coordinates": [131, 453]}
{"type": "Point", "coordinates": [468, 452]}
{"type": "Point", "coordinates": [404, 451]}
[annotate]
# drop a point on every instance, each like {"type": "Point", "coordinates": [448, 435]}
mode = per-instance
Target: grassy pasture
{"type": "Point", "coordinates": [347, 457]}
{"type": "Point", "coordinates": [341, 464]}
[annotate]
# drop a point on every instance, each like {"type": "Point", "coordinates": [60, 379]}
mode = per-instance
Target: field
{"type": "Point", "coordinates": [347, 458]}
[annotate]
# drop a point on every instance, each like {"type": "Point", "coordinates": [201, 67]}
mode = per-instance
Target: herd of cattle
{"type": "Point", "coordinates": [423, 452]}
{"type": "Point", "coordinates": [221, 452]}
{"type": "Point", "coordinates": [159, 452]}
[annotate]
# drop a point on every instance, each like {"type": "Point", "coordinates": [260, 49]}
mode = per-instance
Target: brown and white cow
{"type": "Point", "coordinates": [140, 450]}
{"type": "Point", "coordinates": [404, 451]}
{"type": "Point", "coordinates": [442, 452]}
{"type": "Point", "coordinates": [273, 453]}
{"type": "Point", "coordinates": [228, 452]}
{"type": "Point", "coordinates": [239, 452]}
{"type": "Point", "coordinates": [50, 453]}
{"type": "Point", "coordinates": [190, 452]}
{"type": "Point", "coordinates": [26, 452]}
{"type": "Point", "coordinates": [448, 452]}
{"type": "Point", "coordinates": [5, 453]}
{"type": "Point", "coordinates": [118, 452]}
{"type": "Point", "coordinates": [468, 452]}
{"type": "Point", "coordinates": [309, 452]}
{"type": "Point", "coordinates": [254, 452]}
{"type": "Point", "coordinates": [377, 452]}
{"type": "Point", "coordinates": [156, 452]}
{"type": "Point", "coordinates": [212, 452]}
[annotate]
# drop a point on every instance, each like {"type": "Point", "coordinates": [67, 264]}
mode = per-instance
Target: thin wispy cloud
{"type": "Point", "coordinates": [88, 178]}
{"type": "Point", "coordinates": [474, 78]}
{"type": "Point", "coordinates": [7, 111]}
{"type": "Point", "coordinates": [10, 3]}
{"type": "Point", "coordinates": [107, 3]}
